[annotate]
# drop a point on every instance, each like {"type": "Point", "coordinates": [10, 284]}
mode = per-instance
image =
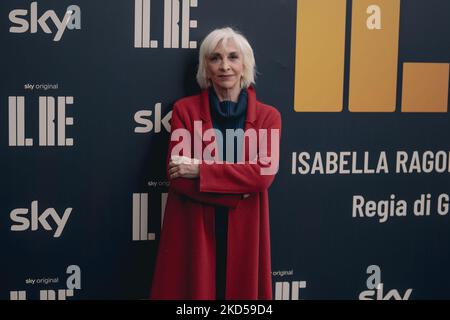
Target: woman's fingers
{"type": "Point", "coordinates": [190, 171]}
{"type": "Point", "coordinates": [172, 164]}
{"type": "Point", "coordinates": [174, 172]}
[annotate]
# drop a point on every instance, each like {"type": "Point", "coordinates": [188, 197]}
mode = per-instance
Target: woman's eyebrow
{"type": "Point", "coordinates": [217, 54]}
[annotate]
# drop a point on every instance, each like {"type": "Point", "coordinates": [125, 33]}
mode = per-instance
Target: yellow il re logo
{"type": "Point", "coordinates": [372, 85]}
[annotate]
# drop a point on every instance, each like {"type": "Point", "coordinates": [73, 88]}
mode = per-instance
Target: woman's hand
{"type": "Point", "coordinates": [183, 170]}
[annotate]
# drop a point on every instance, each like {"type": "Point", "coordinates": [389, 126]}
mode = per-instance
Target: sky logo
{"type": "Point", "coordinates": [22, 22]}
{"type": "Point", "coordinates": [36, 220]}
{"type": "Point", "coordinates": [376, 288]}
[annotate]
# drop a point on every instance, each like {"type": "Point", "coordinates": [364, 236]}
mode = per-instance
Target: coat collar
{"type": "Point", "coordinates": [205, 112]}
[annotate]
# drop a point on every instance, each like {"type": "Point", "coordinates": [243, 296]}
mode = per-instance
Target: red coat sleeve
{"type": "Point", "coordinates": [244, 177]}
{"type": "Point", "coordinates": [191, 187]}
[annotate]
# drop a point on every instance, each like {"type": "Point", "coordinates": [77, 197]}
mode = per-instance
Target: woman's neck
{"type": "Point", "coordinates": [227, 94]}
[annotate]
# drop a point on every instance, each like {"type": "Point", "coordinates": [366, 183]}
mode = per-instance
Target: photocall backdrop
{"type": "Point", "coordinates": [359, 208]}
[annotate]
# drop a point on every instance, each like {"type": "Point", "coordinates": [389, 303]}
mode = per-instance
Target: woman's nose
{"type": "Point", "coordinates": [224, 65]}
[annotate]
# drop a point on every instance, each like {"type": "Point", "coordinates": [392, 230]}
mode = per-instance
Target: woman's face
{"type": "Point", "coordinates": [225, 66]}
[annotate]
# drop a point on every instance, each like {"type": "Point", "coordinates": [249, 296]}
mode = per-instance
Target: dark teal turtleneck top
{"type": "Point", "coordinates": [225, 115]}
{"type": "Point", "coordinates": [229, 115]}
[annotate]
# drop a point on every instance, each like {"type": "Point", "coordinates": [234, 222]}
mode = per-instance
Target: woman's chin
{"type": "Point", "coordinates": [226, 85]}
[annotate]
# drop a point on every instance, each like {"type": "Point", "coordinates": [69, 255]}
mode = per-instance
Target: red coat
{"type": "Point", "coordinates": [185, 266]}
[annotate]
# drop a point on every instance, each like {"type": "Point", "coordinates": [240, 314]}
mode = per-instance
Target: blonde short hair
{"type": "Point", "coordinates": [210, 43]}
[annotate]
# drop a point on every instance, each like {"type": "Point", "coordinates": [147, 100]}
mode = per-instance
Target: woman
{"type": "Point", "coordinates": [215, 238]}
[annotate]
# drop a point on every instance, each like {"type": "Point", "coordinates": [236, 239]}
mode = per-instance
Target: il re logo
{"type": "Point", "coordinates": [373, 61]}
{"type": "Point", "coordinates": [23, 223]}
{"type": "Point", "coordinates": [141, 214]}
{"type": "Point", "coordinates": [142, 23]}
{"type": "Point", "coordinates": [22, 22]}
{"type": "Point", "coordinates": [289, 291]}
{"type": "Point", "coordinates": [50, 133]}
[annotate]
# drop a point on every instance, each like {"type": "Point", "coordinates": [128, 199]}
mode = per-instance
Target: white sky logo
{"type": "Point", "coordinates": [142, 22]}
{"type": "Point", "coordinates": [376, 287]}
{"type": "Point", "coordinates": [71, 20]}
{"type": "Point", "coordinates": [23, 223]}
{"type": "Point", "coordinates": [143, 117]}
